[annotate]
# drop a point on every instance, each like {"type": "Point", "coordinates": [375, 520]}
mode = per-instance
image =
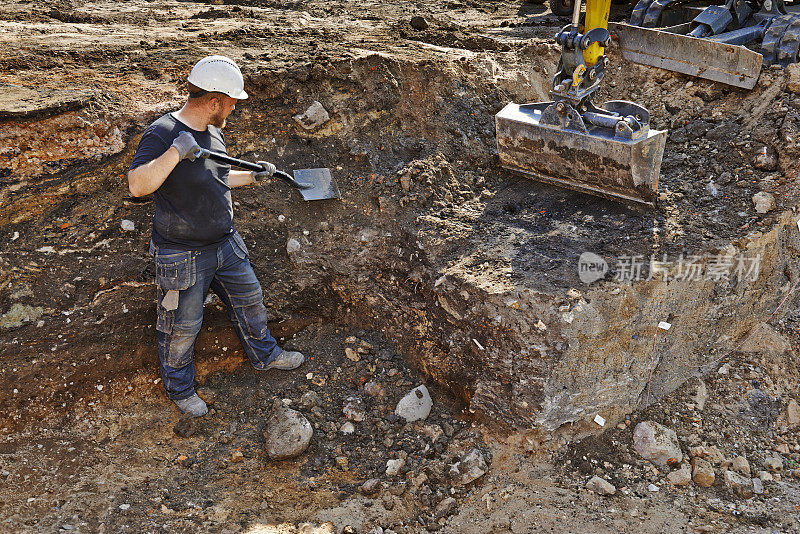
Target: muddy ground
{"type": "Point", "coordinates": [454, 272]}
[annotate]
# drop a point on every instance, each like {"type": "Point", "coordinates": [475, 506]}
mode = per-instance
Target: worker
{"type": "Point", "coordinates": [194, 242]}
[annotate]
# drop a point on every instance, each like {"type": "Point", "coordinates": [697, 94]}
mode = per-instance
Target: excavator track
{"type": "Point", "coordinates": [790, 42]}
{"type": "Point", "coordinates": [773, 36]}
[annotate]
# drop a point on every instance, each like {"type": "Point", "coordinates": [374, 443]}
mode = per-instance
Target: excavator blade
{"type": "Point", "coordinates": [594, 161]}
{"type": "Point", "coordinates": [704, 58]}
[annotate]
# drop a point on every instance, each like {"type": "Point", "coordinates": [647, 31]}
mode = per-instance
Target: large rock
{"type": "Point", "coordinates": [470, 468]}
{"type": "Point", "coordinates": [415, 405]}
{"type": "Point", "coordinates": [657, 443]}
{"type": "Point", "coordinates": [601, 486]}
{"type": "Point", "coordinates": [287, 434]}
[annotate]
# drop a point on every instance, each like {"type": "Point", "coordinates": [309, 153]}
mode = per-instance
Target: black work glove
{"type": "Point", "coordinates": [186, 146]}
{"type": "Point", "coordinates": [267, 172]}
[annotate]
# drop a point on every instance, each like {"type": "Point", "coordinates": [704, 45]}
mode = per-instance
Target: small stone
{"type": "Point", "coordinates": [792, 413]}
{"type": "Point", "coordinates": [600, 486]}
{"type": "Point", "coordinates": [292, 246]}
{"type": "Point", "coordinates": [765, 160]}
{"type": "Point", "coordinates": [354, 409]}
{"type": "Point", "coordinates": [352, 355]}
{"type": "Point", "coordinates": [445, 507]}
{"type": "Point", "coordinates": [287, 434]}
{"type": "Point", "coordinates": [316, 115]}
{"type": "Point", "coordinates": [393, 467]}
{"type": "Point", "coordinates": [653, 488]}
{"type": "Point", "coordinates": [373, 389]}
{"type": "Point", "coordinates": [741, 465]}
{"type": "Point", "coordinates": [124, 506]}
{"type": "Point", "coordinates": [348, 428]}
{"type": "Point", "coordinates": [765, 476]}
{"type": "Point", "coordinates": [281, 218]}
{"type": "Point", "coordinates": [702, 473]}
{"type": "Point", "coordinates": [724, 369]}
{"type": "Point", "coordinates": [714, 455]}
{"type": "Point", "coordinates": [741, 486]}
{"type": "Point", "coordinates": [415, 405]}
{"type": "Point", "coordinates": [792, 72]}
{"type": "Point", "coordinates": [419, 23]}
{"type": "Point", "coordinates": [237, 456]}
{"type": "Point", "coordinates": [127, 225]}
{"type": "Point", "coordinates": [758, 486]}
{"type": "Point", "coordinates": [405, 182]}
{"type": "Point", "coordinates": [470, 468]}
{"type": "Point", "coordinates": [773, 463]}
{"type": "Point", "coordinates": [764, 202]}
{"type": "Point", "coordinates": [657, 443]}
{"type": "Point", "coordinates": [370, 487]}
{"type": "Point", "coordinates": [186, 426]}
{"type": "Point", "coordinates": [701, 395]}
{"type": "Point", "coordinates": [343, 462]}
{"type": "Point", "coordinates": [309, 399]}
{"type": "Point", "coordinates": [680, 477]}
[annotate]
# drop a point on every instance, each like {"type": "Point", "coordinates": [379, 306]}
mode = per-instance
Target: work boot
{"type": "Point", "coordinates": [193, 405]}
{"type": "Point", "coordinates": [289, 359]}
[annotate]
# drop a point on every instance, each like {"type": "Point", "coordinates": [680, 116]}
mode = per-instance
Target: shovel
{"type": "Point", "coordinates": [314, 184]}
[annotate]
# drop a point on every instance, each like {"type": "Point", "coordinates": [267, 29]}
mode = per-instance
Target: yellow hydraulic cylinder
{"type": "Point", "coordinates": [596, 17]}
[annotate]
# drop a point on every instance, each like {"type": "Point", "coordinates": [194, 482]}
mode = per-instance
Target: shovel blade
{"type": "Point", "coordinates": [703, 58]}
{"type": "Point", "coordinates": [595, 162]}
{"type": "Point", "coordinates": [324, 186]}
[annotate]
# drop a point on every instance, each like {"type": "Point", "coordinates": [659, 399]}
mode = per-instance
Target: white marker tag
{"type": "Point", "coordinates": [798, 224]}
{"type": "Point", "coordinates": [170, 300]}
{"type": "Point", "coordinates": [599, 420]}
{"type": "Point", "coordinates": [663, 325]}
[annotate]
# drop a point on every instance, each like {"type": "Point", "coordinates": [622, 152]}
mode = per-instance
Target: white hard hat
{"type": "Point", "coordinates": [219, 74]}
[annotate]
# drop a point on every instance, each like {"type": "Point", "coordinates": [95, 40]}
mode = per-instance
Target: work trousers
{"type": "Point", "coordinates": [188, 275]}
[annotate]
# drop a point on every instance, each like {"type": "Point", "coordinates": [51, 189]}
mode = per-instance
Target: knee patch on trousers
{"type": "Point", "coordinates": [252, 313]}
{"type": "Point", "coordinates": [180, 343]}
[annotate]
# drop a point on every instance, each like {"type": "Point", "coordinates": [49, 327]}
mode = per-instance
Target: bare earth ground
{"type": "Point", "coordinates": [87, 441]}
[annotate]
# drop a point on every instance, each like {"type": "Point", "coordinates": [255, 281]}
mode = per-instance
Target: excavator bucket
{"type": "Point", "coordinates": [578, 155]}
{"type": "Point", "coordinates": [707, 58]}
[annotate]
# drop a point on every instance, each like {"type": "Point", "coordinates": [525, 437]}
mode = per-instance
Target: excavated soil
{"type": "Point", "coordinates": [452, 271]}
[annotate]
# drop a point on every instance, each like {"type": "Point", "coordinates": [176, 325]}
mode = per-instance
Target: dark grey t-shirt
{"type": "Point", "coordinates": [193, 208]}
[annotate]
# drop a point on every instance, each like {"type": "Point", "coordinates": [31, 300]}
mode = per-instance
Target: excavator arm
{"type": "Point", "coordinates": [608, 150]}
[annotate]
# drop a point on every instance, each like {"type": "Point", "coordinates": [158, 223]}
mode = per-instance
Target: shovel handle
{"type": "Point", "coordinates": [250, 166]}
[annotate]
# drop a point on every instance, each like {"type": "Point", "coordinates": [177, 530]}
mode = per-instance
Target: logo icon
{"type": "Point", "coordinates": [591, 267]}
